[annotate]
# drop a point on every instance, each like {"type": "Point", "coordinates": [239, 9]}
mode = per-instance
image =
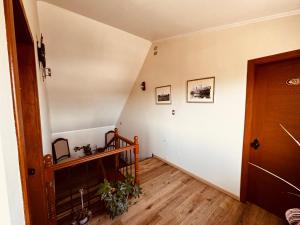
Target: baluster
{"type": "Point", "coordinates": [130, 155]}
{"type": "Point", "coordinates": [117, 156]}
{"type": "Point", "coordinates": [117, 138]}
{"type": "Point", "coordinates": [71, 189]}
{"type": "Point", "coordinates": [50, 189]}
{"type": "Point", "coordinates": [121, 155]}
{"type": "Point", "coordinates": [126, 163]}
{"type": "Point", "coordinates": [129, 161]}
{"type": "Point", "coordinates": [88, 178]}
{"type": "Point", "coordinates": [136, 159]}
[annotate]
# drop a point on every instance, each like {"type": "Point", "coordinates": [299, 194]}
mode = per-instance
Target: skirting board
{"type": "Point", "coordinates": [198, 178]}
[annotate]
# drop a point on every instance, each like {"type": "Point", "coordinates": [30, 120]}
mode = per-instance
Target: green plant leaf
{"type": "Point", "coordinates": [116, 195]}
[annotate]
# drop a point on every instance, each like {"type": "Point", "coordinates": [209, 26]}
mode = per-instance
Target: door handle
{"type": "Point", "coordinates": [255, 144]}
{"type": "Point", "coordinates": [31, 171]}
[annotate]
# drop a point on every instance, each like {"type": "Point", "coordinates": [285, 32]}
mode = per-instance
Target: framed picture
{"type": "Point", "coordinates": [163, 95]}
{"type": "Point", "coordinates": [201, 90]}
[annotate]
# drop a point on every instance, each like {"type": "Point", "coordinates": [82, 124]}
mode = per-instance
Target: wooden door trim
{"type": "Point", "coordinates": [15, 85]}
{"type": "Point", "coordinates": [252, 64]}
{"type": "Point", "coordinates": [16, 94]}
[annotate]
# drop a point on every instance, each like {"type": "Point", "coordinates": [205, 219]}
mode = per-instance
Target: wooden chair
{"type": "Point", "coordinates": [109, 141]}
{"type": "Point", "coordinates": [60, 149]}
{"type": "Point", "coordinates": [109, 138]}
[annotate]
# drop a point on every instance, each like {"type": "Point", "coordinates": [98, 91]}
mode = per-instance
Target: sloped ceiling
{"type": "Point", "coordinates": [157, 19]}
{"type": "Point", "coordinates": [94, 67]}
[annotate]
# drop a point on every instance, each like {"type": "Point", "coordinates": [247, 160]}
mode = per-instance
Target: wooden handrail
{"type": "Point", "coordinates": [89, 158]}
{"type": "Point", "coordinates": [126, 140]}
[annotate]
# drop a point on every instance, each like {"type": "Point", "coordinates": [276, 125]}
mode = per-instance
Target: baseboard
{"type": "Point", "coordinates": [199, 178]}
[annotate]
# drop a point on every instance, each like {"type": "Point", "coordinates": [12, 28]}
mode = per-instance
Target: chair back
{"type": "Point", "coordinates": [109, 136]}
{"type": "Point", "coordinates": [60, 149]}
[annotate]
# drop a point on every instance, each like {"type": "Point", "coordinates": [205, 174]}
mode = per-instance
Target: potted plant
{"type": "Point", "coordinates": [87, 150]}
{"type": "Point", "coordinates": [84, 215]}
{"type": "Point", "coordinates": [116, 195]}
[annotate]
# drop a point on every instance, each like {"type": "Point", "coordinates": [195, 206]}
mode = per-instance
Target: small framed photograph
{"type": "Point", "coordinates": [201, 90]}
{"type": "Point", "coordinates": [163, 95]}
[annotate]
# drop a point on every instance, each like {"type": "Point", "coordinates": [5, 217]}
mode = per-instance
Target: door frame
{"type": "Point", "coordinates": [12, 8]}
{"type": "Point", "coordinates": [252, 64]}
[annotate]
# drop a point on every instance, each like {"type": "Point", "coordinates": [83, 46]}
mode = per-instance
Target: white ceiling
{"type": "Point", "coordinates": [158, 19]}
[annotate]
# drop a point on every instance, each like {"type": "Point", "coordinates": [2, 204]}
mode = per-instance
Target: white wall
{"type": "Point", "coordinates": [204, 139]}
{"type": "Point", "coordinates": [94, 67]}
{"type": "Point", "coordinates": [32, 16]}
{"type": "Point", "coordinates": [94, 137]}
{"type": "Point", "coordinates": [4, 202]}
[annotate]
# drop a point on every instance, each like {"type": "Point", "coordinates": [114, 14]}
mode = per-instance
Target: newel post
{"type": "Point", "coordinates": [50, 189]}
{"type": "Point", "coordinates": [136, 160]}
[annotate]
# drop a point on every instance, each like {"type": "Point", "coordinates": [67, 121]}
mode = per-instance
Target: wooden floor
{"type": "Point", "coordinates": [172, 197]}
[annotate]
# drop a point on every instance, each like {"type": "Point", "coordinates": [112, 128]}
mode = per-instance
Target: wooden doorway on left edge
{"type": "Point", "coordinates": [21, 53]}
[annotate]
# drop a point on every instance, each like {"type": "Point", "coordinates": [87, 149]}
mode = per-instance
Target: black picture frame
{"type": "Point", "coordinates": [163, 95]}
{"type": "Point", "coordinates": [201, 90]}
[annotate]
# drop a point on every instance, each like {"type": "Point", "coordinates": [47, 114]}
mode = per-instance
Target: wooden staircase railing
{"type": "Point", "coordinates": [126, 155]}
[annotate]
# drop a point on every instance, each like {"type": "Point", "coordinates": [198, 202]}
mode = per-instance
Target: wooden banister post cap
{"type": "Point", "coordinates": [48, 160]}
{"type": "Point", "coordinates": [116, 130]}
{"type": "Point", "coordinates": [136, 139]}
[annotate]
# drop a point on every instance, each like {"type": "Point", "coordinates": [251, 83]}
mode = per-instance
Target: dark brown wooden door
{"type": "Point", "coordinates": [274, 162]}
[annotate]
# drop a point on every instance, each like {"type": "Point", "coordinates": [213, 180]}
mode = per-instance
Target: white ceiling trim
{"type": "Point", "coordinates": [232, 25]}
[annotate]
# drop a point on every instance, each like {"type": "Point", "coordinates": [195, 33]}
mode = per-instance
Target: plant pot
{"type": "Point", "coordinates": [84, 221]}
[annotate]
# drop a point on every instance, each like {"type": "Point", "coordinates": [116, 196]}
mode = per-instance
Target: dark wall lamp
{"type": "Point", "coordinates": [42, 59]}
{"type": "Point", "coordinates": [143, 86]}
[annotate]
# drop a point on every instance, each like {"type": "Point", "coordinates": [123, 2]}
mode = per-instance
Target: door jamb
{"type": "Point", "coordinates": [16, 94]}
{"type": "Point", "coordinates": [252, 64]}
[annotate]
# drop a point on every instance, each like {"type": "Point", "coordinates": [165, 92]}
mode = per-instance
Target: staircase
{"type": "Point", "coordinates": [118, 158]}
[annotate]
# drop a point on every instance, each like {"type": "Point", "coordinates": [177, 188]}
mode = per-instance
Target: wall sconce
{"type": "Point", "coordinates": [143, 86]}
{"type": "Point", "coordinates": [155, 50]}
{"type": "Point", "coordinates": [46, 72]}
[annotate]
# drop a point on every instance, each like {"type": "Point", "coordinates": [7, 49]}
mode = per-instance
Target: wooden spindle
{"type": "Point", "coordinates": [136, 159]}
{"type": "Point", "coordinates": [130, 155]}
{"type": "Point", "coordinates": [117, 139]}
{"type": "Point", "coordinates": [126, 160]}
{"type": "Point", "coordinates": [117, 146]}
{"type": "Point", "coordinates": [50, 189]}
